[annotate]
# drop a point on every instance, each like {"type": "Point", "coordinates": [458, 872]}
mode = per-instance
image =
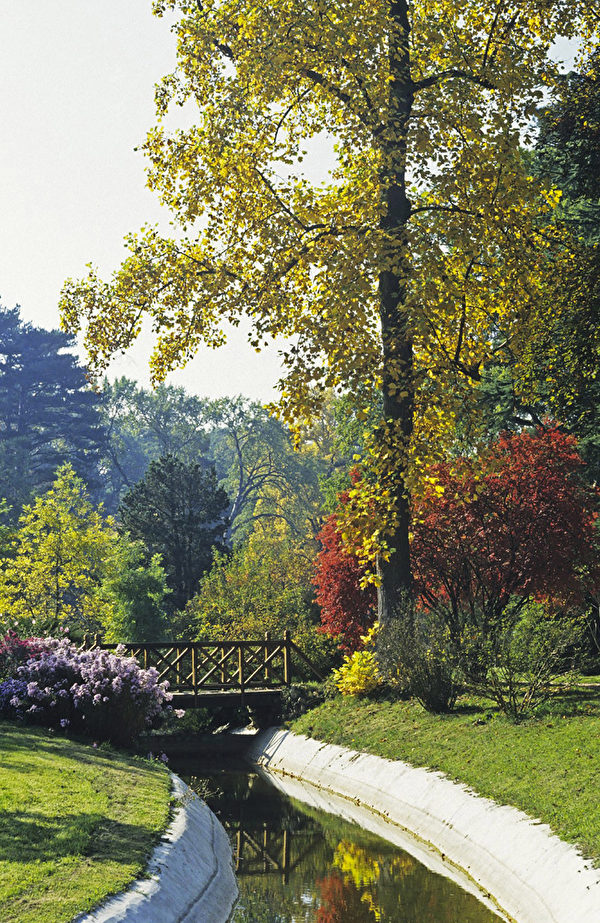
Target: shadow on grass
{"type": "Point", "coordinates": [572, 703]}
{"type": "Point", "coordinates": [27, 836]}
{"type": "Point", "coordinates": [30, 740]}
{"type": "Point", "coordinates": [464, 708]}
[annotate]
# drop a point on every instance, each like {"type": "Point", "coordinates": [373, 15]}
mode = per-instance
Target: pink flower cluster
{"type": "Point", "coordinates": [15, 650]}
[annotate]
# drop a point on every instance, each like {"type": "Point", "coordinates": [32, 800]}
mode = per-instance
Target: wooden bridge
{"type": "Point", "coordinates": [202, 673]}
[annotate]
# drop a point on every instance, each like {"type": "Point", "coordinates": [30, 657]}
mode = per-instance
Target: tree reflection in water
{"type": "Point", "coordinates": [296, 864]}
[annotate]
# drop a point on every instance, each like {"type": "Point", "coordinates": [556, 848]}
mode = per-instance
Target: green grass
{"type": "Point", "coordinates": [548, 766]}
{"type": "Point", "coordinates": [76, 823]}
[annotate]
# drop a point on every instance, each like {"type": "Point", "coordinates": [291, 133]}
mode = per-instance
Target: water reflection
{"type": "Point", "coordinates": [296, 864]}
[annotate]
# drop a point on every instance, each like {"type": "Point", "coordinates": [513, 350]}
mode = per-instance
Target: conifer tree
{"type": "Point", "coordinates": [48, 412]}
{"type": "Point", "coordinates": [178, 511]}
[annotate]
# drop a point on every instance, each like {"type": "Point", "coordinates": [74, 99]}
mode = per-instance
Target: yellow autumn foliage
{"type": "Point", "coordinates": [359, 673]}
{"type": "Point", "coordinates": [406, 267]}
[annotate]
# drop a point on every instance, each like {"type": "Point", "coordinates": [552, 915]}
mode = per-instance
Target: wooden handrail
{"type": "Point", "coordinates": [309, 663]}
{"type": "Point", "coordinates": [190, 666]}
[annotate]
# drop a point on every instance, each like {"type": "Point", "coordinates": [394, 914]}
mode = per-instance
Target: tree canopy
{"type": "Point", "coordinates": [408, 268]}
{"type": "Point", "coordinates": [517, 520]}
{"type": "Point", "coordinates": [178, 511]}
{"type": "Point", "coordinates": [60, 555]}
{"type": "Point", "coordinates": [142, 425]}
{"type": "Point", "coordinates": [513, 523]}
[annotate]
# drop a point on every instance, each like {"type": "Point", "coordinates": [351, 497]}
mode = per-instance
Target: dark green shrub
{"type": "Point", "coordinates": [298, 699]}
{"type": "Point", "coordinates": [527, 658]}
{"type": "Point", "coordinates": [415, 655]}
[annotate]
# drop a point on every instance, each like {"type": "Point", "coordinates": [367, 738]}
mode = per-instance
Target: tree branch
{"type": "Point", "coordinates": [343, 97]}
{"type": "Point", "coordinates": [453, 209]}
{"type": "Point", "coordinates": [488, 44]}
{"type": "Point", "coordinates": [223, 47]}
{"type": "Point", "coordinates": [451, 74]}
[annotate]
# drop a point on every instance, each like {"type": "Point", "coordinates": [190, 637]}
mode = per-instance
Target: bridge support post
{"type": "Point", "coordinates": [194, 683]}
{"type": "Point", "coordinates": [265, 658]}
{"type": "Point", "coordinates": [287, 673]}
{"type": "Point", "coordinates": [241, 668]}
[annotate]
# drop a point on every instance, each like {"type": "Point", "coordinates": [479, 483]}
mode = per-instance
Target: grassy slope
{"type": "Point", "coordinates": [75, 823]}
{"type": "Point", "coordinates": [548, 766]}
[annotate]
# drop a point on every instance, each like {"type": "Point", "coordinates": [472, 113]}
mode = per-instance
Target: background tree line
{"type": "Point", "coordinates": [119, 499]}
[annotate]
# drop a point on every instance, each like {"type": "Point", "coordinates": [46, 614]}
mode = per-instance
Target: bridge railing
{"type": "Point", "coordinates": [201, 666]}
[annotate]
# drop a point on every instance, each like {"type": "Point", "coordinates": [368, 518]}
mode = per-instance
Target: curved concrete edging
{"type": "Point", "coordinates": [190, 877]}
{"type": "Point", "coordinates": [533, 876]}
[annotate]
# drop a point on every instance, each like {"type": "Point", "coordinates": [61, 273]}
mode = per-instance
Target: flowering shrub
{"type": "Point", "coordinates": [94, 692]}
{"type": "Point", "coordinates": [359, 673]}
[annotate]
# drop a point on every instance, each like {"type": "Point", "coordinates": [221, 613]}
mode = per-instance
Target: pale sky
{"type": "Point", "coordinates": [76, 97]}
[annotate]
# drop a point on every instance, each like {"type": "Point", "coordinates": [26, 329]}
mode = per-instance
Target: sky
{"type": "Point", "coordinates": [76, 97]}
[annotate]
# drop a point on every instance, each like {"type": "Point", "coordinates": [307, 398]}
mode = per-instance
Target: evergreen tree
{"type": "Point", "coordinates": [178, 511]}
{"type": "Point", "coordinates": [48, 413]}
{"type": "Point", "coordinates": [568, 147]}
{"type": "Point", "coordinates": [550, 369]}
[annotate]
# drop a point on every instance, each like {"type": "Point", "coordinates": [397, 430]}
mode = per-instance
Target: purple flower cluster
{"type": "Point", "coordinates": [12, 693]}
{"type": "Point", "coordinates": [91, 691]}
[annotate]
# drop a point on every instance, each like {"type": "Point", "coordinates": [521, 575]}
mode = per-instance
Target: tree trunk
{"type": "Point", "coordinates": [397, 350]}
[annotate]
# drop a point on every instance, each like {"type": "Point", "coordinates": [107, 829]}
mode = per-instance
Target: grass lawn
{"type": "Point", "coordinates": [548, 766]}
{"type": "Point", "coordinates": [76, 823]}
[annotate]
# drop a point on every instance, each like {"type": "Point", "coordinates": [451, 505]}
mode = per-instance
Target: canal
{"type": "Point", "coordinates": [296, 863]}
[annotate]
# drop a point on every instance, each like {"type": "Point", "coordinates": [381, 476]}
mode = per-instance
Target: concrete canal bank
{"type": "Point", "coordinates": [529, 874]}
{"type": "Point", "coordinates": [190, 877]}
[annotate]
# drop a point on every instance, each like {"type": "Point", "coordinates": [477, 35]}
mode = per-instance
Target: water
{"type": "Point", "coordinates": [298, 864]}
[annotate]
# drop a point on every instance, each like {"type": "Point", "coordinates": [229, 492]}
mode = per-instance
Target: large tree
{"type": "Point", "coordinates": [561, 363]}
{"type": "Point", "coordinates": [408, 267]}
{"type": "Point", "coordinates": [268, 482]}
{"type": "Point", "coordinates": [178, 511]}
{"type": "Point", "coordinates": [552, 367]}
{"type": "Point", "coordinates": [568, 147]}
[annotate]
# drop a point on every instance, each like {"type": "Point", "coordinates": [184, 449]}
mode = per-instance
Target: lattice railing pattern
{"type": "Point", "coordinates": [196, 666]}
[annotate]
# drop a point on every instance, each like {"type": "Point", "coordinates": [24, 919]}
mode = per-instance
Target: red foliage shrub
{"type": "Point", "coordinates": [515, 520]}
{"type": "Point", "coordinates": [15, 651]}
{"type": "Point", "coordinates": [342, 902]}
{"type": "Point", "coordinates": [347, 611]}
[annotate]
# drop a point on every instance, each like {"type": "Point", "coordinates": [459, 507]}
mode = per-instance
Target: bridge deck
{"type": "Point", "coordinates": [231, 697]}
